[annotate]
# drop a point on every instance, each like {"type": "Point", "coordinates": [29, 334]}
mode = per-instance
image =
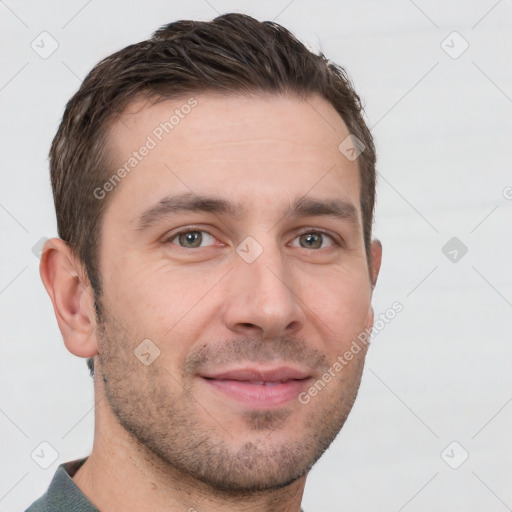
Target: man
{"type": "Point", "coordinates": [214, 189]}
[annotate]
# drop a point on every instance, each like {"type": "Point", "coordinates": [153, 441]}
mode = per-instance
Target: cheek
{"type": "Point", "coordinates": [158, 302]}
{"type": "Point", "coordinates": [341, 303]}
{"type": "Point", "coordinates": [346, 285]}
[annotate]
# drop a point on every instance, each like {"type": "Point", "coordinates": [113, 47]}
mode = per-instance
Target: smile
{"type": "Point", "coordinates": [259, 388]}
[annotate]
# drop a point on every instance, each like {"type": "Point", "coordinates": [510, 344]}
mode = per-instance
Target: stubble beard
{"type": "Point", "coordinates": [166, 420]}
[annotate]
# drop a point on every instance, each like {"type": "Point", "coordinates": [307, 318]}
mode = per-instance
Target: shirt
{"type": "Point", "coordinates": [63, 495]}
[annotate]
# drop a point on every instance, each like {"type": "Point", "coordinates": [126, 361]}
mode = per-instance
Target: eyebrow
{"type": "Point", "coordinates": [187, 202]}
{"type": "Point", "coordinates": [311, 207]}
{"type": "Point", "coordinates": [301, 207]}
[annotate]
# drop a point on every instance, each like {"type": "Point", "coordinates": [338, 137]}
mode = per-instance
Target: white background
{"type": "Point", "coordinates": [440, 372]}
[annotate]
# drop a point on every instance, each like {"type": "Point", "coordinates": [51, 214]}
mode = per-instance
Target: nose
{"type": "Point", "coordinates": [261, 300]}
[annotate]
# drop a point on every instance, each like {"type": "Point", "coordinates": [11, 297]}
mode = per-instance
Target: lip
{"type": "Point", "coordinates": [276, 374]}
{"type": "Point", "coordinates": [259, 388]}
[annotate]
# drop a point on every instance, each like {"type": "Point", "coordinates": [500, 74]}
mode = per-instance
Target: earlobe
{"type": "Point", "coordinates": [71, 295]}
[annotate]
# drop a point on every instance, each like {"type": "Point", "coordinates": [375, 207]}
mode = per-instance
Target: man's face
{"type": "Point", "coordinates": [250, 296]}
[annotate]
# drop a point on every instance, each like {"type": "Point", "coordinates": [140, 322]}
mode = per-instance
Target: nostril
{"type": "Point", "coordinates": [292, 325]}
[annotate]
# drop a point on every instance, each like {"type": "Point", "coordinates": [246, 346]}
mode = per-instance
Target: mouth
{"type": "Point", "coordinates": [259, 388]}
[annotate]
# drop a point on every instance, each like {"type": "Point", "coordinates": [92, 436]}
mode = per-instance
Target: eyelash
{"type": "Point", "coordinates": [192, 230]}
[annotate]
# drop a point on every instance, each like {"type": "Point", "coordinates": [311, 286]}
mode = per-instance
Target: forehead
{"type": "Point", "coordinates": [258, 147]}
{"type": "Point", "coordinates": [258, 112]}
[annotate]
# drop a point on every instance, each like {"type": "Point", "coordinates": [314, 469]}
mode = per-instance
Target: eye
{"type": "Point", "coordinates": [192, 239]}
{"type": "Point", "coordinates": [314, 240]}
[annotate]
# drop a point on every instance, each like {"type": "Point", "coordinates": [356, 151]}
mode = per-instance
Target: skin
{"type": "Point", "coordinates": [165, 439]}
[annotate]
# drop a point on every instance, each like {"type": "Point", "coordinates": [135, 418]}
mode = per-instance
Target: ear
{"type": "Point", "coordinates": [73, 301]}
{"type": "Point", "coordinates": [376, 250]}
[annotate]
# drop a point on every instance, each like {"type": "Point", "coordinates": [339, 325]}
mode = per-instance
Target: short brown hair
{"type": "Point", "coordinates": [234, 53]}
